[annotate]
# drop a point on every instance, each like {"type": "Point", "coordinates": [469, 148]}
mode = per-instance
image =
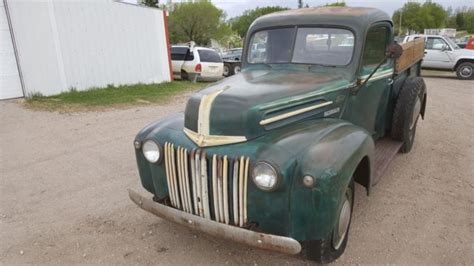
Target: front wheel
{"type": "Point", "coordinates": [328, 250]}
{"type": "Point", "coordinates": [465, 70]}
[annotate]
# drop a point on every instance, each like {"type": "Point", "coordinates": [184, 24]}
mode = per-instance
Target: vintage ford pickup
{"type": "Point", "coordinates": [269, 157]}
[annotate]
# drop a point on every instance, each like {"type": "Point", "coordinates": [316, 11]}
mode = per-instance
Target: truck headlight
{"type": "Point", "coordinates": [265, 176]}
{"type": "Point", "coordinates": [151, 151]}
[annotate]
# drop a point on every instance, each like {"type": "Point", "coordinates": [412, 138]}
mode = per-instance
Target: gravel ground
{"type": "Point", "coordinates": [64, 177]}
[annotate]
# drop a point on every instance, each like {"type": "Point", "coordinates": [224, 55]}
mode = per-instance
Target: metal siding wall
{"type": "Point", "coordinates": [10, 85]}
{"type": "Point", "coordinates": [87, 44]}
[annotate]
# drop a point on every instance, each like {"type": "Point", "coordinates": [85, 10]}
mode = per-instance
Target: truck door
{"type": "Point", "coordinates": [367, 108]}
{"type": "Point", "coordinates": [437, 54]}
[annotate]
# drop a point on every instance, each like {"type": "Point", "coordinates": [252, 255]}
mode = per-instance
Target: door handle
{"type": "Point", "coordinates": [390, 81]}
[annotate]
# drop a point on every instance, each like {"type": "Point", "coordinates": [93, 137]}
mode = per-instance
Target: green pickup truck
{"type": "Point", "coordinates": [269, 157]}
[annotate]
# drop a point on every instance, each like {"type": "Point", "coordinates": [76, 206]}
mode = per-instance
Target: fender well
{"type": "Point", "coordinates": [462, 60]}
{"type": "Point", "coordinates": [362, 173]}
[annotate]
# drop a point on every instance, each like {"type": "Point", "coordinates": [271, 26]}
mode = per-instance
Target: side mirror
{"type": "Point", "coordinates": [394, 51]}
{"type": "Point", "coordinates": [444, 48]}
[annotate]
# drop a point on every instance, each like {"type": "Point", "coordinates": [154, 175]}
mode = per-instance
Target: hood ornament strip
{"type": "Point", "coordinates": [212, 140]}
{"type": "Point", "coordinates": [205, 112]}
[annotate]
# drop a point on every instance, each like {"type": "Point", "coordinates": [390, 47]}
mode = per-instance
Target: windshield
{"type": "Point", "coordinates": [452, 43]}
{"type": "Point", "coordinates": [318, 46]}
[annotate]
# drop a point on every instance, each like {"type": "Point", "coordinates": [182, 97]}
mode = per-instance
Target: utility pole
{"type": "Point", "coordinates": [400, 28]}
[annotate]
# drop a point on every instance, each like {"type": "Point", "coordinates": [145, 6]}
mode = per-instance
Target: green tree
{"type": "Point", "coordinates": [468, 18]}
{"type": "Point", "coordinates": [242, 23]}
{"type": "Point", "coordinates": [417, 17]}
{"type": "Point", "coordinates": [150, 3]}
{"type": "Point", "coordinates": [342, 4]}
{"type": "Point", "coordinates": [460, 20]}
{"type": "Point", "coordinates": [433, 15]}
{"type": "Point", "coordinates": [197, 21]}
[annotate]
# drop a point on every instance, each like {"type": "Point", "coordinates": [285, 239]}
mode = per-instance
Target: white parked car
{"type": "Point", "coordinates": [442, 53]}
{"type": "Point", "coordinates": [196, 63]}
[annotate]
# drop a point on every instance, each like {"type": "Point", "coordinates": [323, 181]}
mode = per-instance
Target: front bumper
{"type": "Point", "coordinates": [255, 239]}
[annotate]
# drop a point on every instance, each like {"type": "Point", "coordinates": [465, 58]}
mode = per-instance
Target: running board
{"type": "Point", "coordinates": [385, 150]}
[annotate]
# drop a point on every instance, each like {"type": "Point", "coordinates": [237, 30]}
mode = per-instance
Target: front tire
{"type": "Point", "coordinates": [328, 250]}
{"type": "Point", "coordinates": [465, 70]}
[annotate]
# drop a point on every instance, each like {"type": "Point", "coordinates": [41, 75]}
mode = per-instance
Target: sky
{"type": "Point", "coordinates": [236, 7]}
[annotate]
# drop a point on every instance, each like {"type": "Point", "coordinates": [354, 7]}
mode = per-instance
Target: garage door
{"type": "Point", "coordinates": [10, 86]}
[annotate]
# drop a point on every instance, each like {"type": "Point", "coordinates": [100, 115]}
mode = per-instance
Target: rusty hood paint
{"type": "Point", "coordinates": [247, 98]}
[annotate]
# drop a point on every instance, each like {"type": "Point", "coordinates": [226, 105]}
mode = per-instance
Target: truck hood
{"type": "Point", "coordinates": [464, 53]}
{"type": "Point", "coordinates": [237, 105]}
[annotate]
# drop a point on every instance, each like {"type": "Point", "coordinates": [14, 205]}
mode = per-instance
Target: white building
{"type": "Point", "coordinates": [450, 33]}
{"type": "Point", "coordinates": [52, 46]}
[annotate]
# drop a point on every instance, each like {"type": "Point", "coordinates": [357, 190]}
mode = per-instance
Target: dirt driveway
{"type": "Point", "coordinates": [64, 177]}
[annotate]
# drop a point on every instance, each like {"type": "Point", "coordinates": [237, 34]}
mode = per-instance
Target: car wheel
{"type": "Point", "coordinates": [226, 72]}
{"type": "Point", "coordinates": [407, 111]}
{"type": "Point", "coordinates": [236, 69]}
{"type": "Point", "coordinates": [328, 250]}
{"type": "Point", "coordinates": [465, 70]}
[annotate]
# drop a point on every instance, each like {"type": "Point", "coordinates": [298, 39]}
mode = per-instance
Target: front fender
{"type": "Point", "coordinates": [332, 161]}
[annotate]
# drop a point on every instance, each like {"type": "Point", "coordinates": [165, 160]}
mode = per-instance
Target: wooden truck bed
{"type": "Point", "coordinates": [413, 51]}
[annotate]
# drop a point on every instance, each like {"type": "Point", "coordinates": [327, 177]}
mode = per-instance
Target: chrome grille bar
{"type": "Point", "coordinates": [220, 200]}
{"type": "Point", "coordinates": [235, 192]}
{"type": "Point", "coordinates": [205, 193]}
{"type": "Point", "coordinates": [225, 187]}
{"type": "Point", "coordinates": [214, 186]}
{"type": "Point", "coordinates": [194, 181]}
{"type": "Point", "coordinates": [188, 180]}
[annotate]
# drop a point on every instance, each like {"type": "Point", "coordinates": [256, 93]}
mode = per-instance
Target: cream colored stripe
{"type": "Point", "coordinates": [293, 113]}
{"type": "Point", "coordinates": [212, 140]}
{"type": "Point", "coordinates": [205, 112]}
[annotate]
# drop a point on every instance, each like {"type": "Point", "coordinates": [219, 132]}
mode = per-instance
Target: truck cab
{"type": "Point", "coordinates": [269, 157]}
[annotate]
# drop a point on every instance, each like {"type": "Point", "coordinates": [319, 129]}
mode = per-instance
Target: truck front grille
{"type": "Point", "coordinates": [222, 197]}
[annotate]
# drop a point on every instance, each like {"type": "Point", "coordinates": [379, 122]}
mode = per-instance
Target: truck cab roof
{"type": "Point", "coordinates": [357, 18]}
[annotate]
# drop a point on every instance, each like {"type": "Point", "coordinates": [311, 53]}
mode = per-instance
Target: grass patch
{"type": "Point", "coordinates": [111, 97]}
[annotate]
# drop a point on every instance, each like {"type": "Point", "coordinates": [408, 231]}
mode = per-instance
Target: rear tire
{"type": "Point", "coordinates": [465, 70]}
{"type": "Point", "coordinates": [236, 69]}
{"type": "Point", "coordinates": [227, 69]}
{"type": "Point", "coordinates": [407, 111]}
{"type": "Point", "coordinates": [328, 250]}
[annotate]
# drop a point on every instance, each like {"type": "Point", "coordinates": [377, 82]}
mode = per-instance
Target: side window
{"type": "Point", "coordinates": [258, 47]}
{"type": "Point", "coordinates": [178, 53]}
{"type": "Point", "coordinates": [374, 50]}
{"type": "Point", "coordinates": [435, 44]}
{"type": "Point", "coordinates": [209, 56]}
